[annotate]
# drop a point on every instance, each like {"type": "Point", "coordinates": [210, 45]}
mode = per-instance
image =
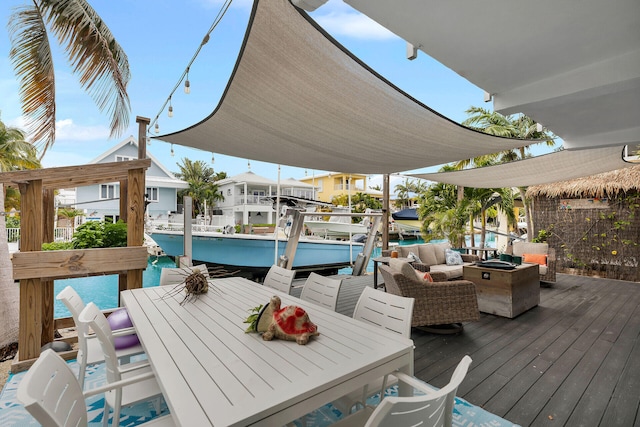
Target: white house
{"type": "Point", "coordinates": [249, 198]}
{"type": "Point", "coordinates": [102, 201]}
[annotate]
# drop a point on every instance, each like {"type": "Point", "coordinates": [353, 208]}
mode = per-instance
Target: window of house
{"type": "Point", "coordinates": [120, 158]}
{"type": "Point", "coordinates": [107, 191]}
{"type": "Point", "coordinates": [152, 194]}
{"type": "Point", "coordinates": [320, 185]}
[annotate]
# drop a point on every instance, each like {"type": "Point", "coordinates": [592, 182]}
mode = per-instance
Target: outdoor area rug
{"type": "Point", "coordinates": [13, 414]}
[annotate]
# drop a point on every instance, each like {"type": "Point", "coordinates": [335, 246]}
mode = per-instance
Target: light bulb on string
{"type": "Point", "coordinates": [157, 128]}
{"type": "Point", "coordinates": [187, 85]}
{"type": "Point", "coordinates": [249, 165]}
{"type": "Point", "coordinates": [148, 140]}
{"type": "Point", "coordinates": [170, 113]}
{"type": "Point", "coordinates": [172, 153]}
{"type": "Point", "coordinates": [213, 159]}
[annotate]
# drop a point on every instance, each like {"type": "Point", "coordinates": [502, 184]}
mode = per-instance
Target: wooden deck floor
{"type": "Point", "coordinates": [572, 361]}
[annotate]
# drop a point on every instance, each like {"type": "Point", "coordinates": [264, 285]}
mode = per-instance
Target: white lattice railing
{"type": "Point", "coordinates": [60, 234]}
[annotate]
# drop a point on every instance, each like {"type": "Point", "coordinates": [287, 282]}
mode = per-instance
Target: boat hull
{"type": "Point", "coordinates": [257, 252]}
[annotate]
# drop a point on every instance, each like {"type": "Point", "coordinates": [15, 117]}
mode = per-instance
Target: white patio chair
{"type": "Point", "coordinates": [51, 393]}
{"type": "Point", "coordinates": [279, 278]}
{"type": "Point", "coordinates": [145, 389]}
{"type": "Point", "coordinates": [321, 290]}
{"type": "Point", "coordinates": [89, 350]}
{"type": "Point", "coordinates": [387, 311]}
{"type": "Point", "coordinates": [432, 409]}
{"type": "Point", "coordinates": [173, 276]}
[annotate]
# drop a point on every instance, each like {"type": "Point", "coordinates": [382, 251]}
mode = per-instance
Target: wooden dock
{"type": "Point", "coordinates": [572, 361]}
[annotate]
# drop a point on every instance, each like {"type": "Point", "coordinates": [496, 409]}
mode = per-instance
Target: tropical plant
{"type": "Point", "coordinates": [70, 214]}
{"type": "Point", "coordinates": [202, 187]}
{"type": "Point", "coordinates": [360, 202]}
{"type": "Point", "coordinates": [98, 234]}
{"type": "Point", "coordinates": [92, 51]}
{"type": "Point", "coordinates": [15, 154]}
{"type": "Point", "coordinates": [405, 190]}
{"type": "Point", "coordinates": [514, 126]}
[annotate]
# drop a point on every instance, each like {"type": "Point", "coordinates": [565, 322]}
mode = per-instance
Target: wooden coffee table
{"type": "Point", "coordinates": [506, 293]}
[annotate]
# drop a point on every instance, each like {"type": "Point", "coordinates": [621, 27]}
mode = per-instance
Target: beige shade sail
{"type": "Point", "coordinates": [554, 167]}
{"type": "Point", "coordinates": [297, 97]}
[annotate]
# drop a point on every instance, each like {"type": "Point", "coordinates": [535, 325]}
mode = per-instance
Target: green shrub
{"type": "Point", "coordinates": [57, 246]}
{"type": "Point", "coordinates": [115, 235]}
{"type": "Point", "coordinates": [95, 234]}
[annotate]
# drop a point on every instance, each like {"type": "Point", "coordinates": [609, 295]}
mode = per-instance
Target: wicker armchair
{"type": "Point", "coordinates": [548, 271]}
{"type": "Point", "coordinates": [440, 306]}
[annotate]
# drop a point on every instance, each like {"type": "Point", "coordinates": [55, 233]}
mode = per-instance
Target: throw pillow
{"type": "Point", "coordinates": [423, 277]}
{"type": "Point", "coordinates": [414, 258]}
{"type": "Point", "coordinates": [535, 258]}
{"type": "Point", "coordinates": [453, 257]}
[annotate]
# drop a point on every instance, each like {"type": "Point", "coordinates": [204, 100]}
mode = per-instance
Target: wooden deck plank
{"type": "Point", "coordinates": [572, 361]}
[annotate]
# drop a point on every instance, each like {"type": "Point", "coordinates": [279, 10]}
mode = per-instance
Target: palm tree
{"type": "Point", "coordinates": [15, 154]}
{"type": "Point", "coordinates": [201, 179]}
{"type": "Point", "coordinates": [92, 51]}
{"type": "Point", "coordinates": [519, 126]}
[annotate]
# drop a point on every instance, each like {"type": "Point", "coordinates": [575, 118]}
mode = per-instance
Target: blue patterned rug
{"type": "Point", "coordinates": [13, 414]}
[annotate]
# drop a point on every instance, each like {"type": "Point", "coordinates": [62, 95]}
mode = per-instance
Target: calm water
{"type": "Point", "coordinates": [103, 290]}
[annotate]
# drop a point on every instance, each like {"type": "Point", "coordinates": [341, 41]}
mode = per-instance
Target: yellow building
{"type": "Point", "coordinates": [329, 185]}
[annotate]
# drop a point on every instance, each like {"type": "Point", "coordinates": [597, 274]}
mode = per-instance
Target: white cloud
{"type": "Point", "coordinates": [353, 24]}
{"type": "Point", "coordinates": [67, 130]}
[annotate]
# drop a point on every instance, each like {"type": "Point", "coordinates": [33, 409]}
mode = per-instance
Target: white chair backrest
{"type": "Point", "coordinates": [385, 310]}
{"type": "Point", "coordinates": [93, 318]}
{"type": "Point", "coordinates": [173, 276]}
{"type": "Point", "coordinates": [434, 409]}
{"type": "Point", "coordinates": [75, 305]}
{"type": "Point", "coordinates": [280, 278]}
{"type": "Point", "coordinates": [51, 392]}
{"type": "Point", "coordinates": [321, 290]}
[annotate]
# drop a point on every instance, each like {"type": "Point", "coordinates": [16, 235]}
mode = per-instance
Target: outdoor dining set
{"type": "Point", "coordinates": [200, 358]}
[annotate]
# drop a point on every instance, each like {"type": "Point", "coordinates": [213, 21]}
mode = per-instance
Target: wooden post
{"type": "Point", "coordinates": [48, 215]}
{"type": "Point", "coordinates": [143, 122]}
{"type": "Point", "coordinates": [31, 298]}
{"type": "Point", "coordinates": [385, 212]}
{"type": "Point", "coordinates": [124, 186]}
{"type": "Point", "coordinates": [135, 220]}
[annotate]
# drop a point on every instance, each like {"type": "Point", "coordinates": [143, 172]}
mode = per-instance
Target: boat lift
{"type": "Point", "coordinates": [296, 217]}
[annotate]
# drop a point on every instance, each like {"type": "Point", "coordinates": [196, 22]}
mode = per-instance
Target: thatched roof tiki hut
{"type": "Point", "coordinates": [593, 223]}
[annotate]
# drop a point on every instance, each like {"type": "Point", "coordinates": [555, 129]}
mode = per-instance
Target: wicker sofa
{"type": "Point", "coordinates": [432, 259]}
{"type": "Point", "coordinates": [440, 306]}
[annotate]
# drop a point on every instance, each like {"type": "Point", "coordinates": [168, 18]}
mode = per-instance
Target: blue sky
{"type": "Point", "coordinates": [161, 36]}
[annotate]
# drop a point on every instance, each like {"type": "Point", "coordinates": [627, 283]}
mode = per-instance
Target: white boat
{"type": "Point", "coordinates": [256, 253]}
{"type": "Point", "coordinates": [337, 227]}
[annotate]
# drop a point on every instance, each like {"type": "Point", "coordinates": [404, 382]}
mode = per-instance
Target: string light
{"type": "Point", "coordinates": [248, 164]}
{"type": "Point", "coordinates": [185, 74]}
{"type": "Point", "coordinates": [148, 141]}
{"type": "Point", "coordinates": [213, 159]}
{"type": "Point", "coordinates": [172, 153]}
{"type": "Point", "coordinates": [157, 128]}
{"type": "Point", "coordinates": [187, 85]}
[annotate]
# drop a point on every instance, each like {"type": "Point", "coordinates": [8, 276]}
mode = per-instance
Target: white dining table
{"type": "Point", "coordinates": [213, 373]}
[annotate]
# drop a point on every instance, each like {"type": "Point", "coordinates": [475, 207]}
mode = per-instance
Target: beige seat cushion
{"type": "Point", "coordinates": [439, 249]}
{"type": "Point", "coordinates": [520, 248]}
{"type": "Point", "coordinates": [427, 254]}
{"type": "Point", "coordinates": [403, 251]}
{"type": "Point", "coordinates": [452, 271]}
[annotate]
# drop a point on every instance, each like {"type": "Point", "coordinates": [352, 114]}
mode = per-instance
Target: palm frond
{"type": "Point", "coordinates": [33, 64]}
{"type": "Point", "coordinates": [95, 54]}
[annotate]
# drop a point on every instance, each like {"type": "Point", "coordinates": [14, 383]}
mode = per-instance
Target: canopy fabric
{"type": "Point", "coordinates": [554, 167]}
{"type": "Point", "coordinates": [298, 98]}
